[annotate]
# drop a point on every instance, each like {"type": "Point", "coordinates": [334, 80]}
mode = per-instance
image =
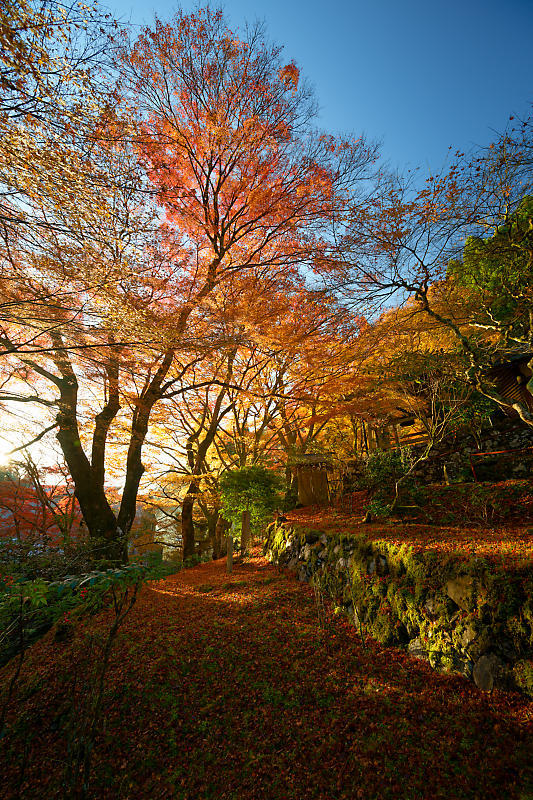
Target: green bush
{"type": "Point", "coordinates": [384, 467]}
{"type": "Point", "coordinates": [250, 488]}
{"type": "Point", "coordinates": [378, 507]}
{"type": "Point", "coordinates": [29, 608]}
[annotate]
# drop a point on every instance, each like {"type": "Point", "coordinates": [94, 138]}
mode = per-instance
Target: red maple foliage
{"type": "Point", "coordinates": [41, 517]}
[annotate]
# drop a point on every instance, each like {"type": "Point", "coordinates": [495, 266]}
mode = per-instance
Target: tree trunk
{"type": "Point", "coordinates": [364, 443]}
{"type": "Point", "coordinates": [229, 562]}
{"type": "Point", "coordinates": [290, 498]}
{"type": "Point", "coordinates": [197, 463]}
{"type": "Point", "coordinates": [108, 532]}
{"type": "Point", "coordinates": [219, 544]}
{"type": "Point", "coordinates": [395, 429]}
{"type": "Point", "coordinates": [212, 519]}
{"type": "Point", "coordinates": [245, 533]}
{"type": "Point", "coordinates": [97, 513]}
{"type": "Point", "coordinates": [187, 523]}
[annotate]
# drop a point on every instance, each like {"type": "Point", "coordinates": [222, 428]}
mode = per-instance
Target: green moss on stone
{"type": "Point", "coordinates": [402, 594]}
{"type": "Point", "coordinates": [523, 675]}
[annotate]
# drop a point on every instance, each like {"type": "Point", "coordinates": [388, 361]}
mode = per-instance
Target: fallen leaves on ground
{"type": "Point", "coordinates": [226, 687]}
{"type": "Point", "coordinates": [509, 546]}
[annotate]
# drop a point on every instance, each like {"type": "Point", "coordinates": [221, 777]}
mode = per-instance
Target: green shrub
{"type": "Point", "coordinates": [385, 467]}
{"type": "Point", "coordinates": [250, 488]}
{"type": "Point", "coordinates": [29, 608]}
{"type": "Point", "coordinates": [378, 507]}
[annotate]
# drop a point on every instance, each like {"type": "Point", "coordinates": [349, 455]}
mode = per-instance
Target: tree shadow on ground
{"type": "Point", "coordinates": [226, 687]}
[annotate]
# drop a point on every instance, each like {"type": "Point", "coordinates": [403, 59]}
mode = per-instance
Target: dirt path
{"type": "Point", "coordinates": [227, 688]}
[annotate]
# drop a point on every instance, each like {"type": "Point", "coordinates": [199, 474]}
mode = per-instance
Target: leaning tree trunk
{"type": "Point", "coordinates": [105, 540]}
{"type": "Point", "coordinates": [108, 532]}
{"type": "Point", "coordinates": [134, 465]}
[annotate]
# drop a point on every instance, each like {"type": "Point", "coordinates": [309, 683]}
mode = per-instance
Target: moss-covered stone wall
{"type": "Point", "coordinates": [463, 616]}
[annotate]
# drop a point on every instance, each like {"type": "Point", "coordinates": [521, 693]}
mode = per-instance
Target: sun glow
{"type": "Point", "coordinates": [5, 452]}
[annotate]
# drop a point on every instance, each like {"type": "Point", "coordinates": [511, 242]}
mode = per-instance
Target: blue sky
{"type": "Point", "coordinates": [417, 75]}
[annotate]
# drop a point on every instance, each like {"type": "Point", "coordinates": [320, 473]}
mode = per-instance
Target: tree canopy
{"type": "Point", "coordinates": [195, 280]}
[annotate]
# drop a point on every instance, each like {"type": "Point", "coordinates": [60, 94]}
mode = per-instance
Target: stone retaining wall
{"type": "Point", "coordinates": [507, 435]}
{"type": "Point", "coordinates": [466, 617]}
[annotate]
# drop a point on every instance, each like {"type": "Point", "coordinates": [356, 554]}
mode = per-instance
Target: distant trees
{"type": "Point", "coordinates": [36, 517]}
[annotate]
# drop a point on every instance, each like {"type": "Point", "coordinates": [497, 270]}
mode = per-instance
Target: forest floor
{"type": "Point", "coordinates": [505, 543]}
{"type": "Point", "coordinates": [228, 687]}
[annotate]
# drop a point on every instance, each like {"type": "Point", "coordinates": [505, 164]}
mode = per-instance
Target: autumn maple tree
{"type": "Point", "coordinates": [250, 191]}
{"type": "Point", "coordinates": [225, 134]}
{"type": "Point", "coordinates": [215, 132]}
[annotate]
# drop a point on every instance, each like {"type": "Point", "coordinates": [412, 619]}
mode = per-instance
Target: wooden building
{"type": "Point", "coordinates": [512, 379]}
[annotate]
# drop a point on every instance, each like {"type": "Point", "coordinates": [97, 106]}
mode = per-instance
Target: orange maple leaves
{"type": "Point", "coordinates": [290, 75]}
